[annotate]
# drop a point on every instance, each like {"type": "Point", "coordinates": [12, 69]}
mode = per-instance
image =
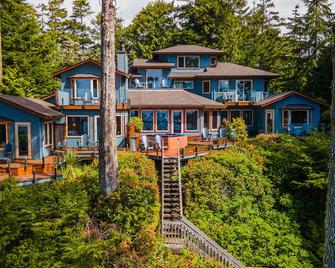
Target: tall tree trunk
{"type": "Point", "coordinates": [108, 165]}
{"type": "Point", "coordinates": [1, 70]}
{"type": "Point", "coordinates": [329, 260]}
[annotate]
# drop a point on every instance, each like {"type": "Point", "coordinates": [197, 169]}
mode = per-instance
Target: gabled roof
{"type": "Point", "coordinates": [37, 107]}
{"type": "Point", "coordinates": [227, 69]}
{"type": "Point", "coordinates": [70, 67]}
{"type": "Point", "coordinates": [278, 97]}
{"type": "Point", "coordinates": [145, 63]}
{"type": "Point", "coordinates": [169, 98]}
{"type": "Point", "coordinates": [188, 50]}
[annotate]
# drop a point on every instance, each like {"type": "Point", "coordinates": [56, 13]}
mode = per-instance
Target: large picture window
{"type": "Point", "coordinates": [154, 78]}
{"type": "Point", "coordinates": [247, 116]}
{"type": "Point", "coordinates": [296, 117]}
{"type": "Point", "coordinates": [77, 126]}
{"type": "Point", "coordinates": [3, 135]}
{"type": "Point", "coordinates": [162, 122]}
{"type": "Point", "coordinates": [184, 84]}
{"type": "Point", "coordinates": [85, 88]}
{"type": "Point", "coordinates": [191, 120]}
{"type": "Point", "coordinates": [244, 90]}
{"type": "Point", "coordinates": [148, 120]}
{"type": "Point", "coordinates": [48, 133]}
{"type": "Point", "coordinates": [188, 62]}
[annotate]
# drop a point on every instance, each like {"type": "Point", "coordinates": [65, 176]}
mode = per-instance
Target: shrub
{"type": "Point", "coordinates": [137, 123]}
{"type": "Point", "coordinates": [237, 129]}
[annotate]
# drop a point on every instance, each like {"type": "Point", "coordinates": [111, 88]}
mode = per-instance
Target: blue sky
{"type": "Point", "coordinates": [127, 9]}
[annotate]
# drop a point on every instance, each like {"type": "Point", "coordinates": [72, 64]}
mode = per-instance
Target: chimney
{"type": "Point", "coordinates": [122, 60]}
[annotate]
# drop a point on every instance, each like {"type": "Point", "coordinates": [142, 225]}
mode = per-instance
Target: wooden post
{"type": "Point", "coordinates": [329, 259]}
{"type": "Point", "coordinates": [34, 177]}
{"type": "Point", "coordinates": [108, 165]}
{"type": "Point", "coordinates": [9, 167]}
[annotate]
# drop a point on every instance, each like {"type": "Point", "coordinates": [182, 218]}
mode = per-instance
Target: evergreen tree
{"type": "Point", "coordinates": [152, 29]}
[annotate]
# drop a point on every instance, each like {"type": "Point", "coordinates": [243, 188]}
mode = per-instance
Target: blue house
{"type": "Point", "coordinates": [234, 91]}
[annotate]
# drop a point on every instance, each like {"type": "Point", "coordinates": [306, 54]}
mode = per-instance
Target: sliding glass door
{"type": "Point", "coordinates": [22, 140]}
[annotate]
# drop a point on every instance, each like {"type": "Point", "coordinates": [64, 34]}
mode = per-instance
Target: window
{"type": "Point", "coordinates": [223, 85]}
{"type": "Point", "coordinates": [119, 125]}
{"type": "Point", "coordinates": [206, 87]}
{"type": "Point", "coordinates": [248, 117]}
{"type": "Point", "coordinates": [188, 62]}
{"type": "Point", "coordinates": [184, 84]}
{"type": "Point", "coordinates": [192, 120]}
{"type": "Point", "coordinates": [148, 120]}
{"type": "Point", "coordinates": [266, 86]}
{"type": "Point", "coordinates": [214, 120]}
{"type": "Point", "coordinates": [3, 135]}
{"type": "Point", "coordinates": [133, 113]}
{"type": "Point", "coordinates": [299, 117]}
{"type": "Point", "coordinates": [162, 122]}
{"type": "Point", "coordinates": [77, 126]}
{"type": "Point", "coordinates": [223, 116]}
{"type": "Point", "coordinates": [235, 114]}
{"type": "Point", "coordinates": [214, 60]}
{"type": "Point", "coordinates": [244, 90]}
{"type": "Point", "coordinates": [206, 119]}
{"type": "Point", "coordinates": [48, 133]}
{"type": "Point", "coordinates": [285, 118]}
{"type": "Point", "coordinates": [154, 78]}
{"type": "Point", "coordinates": [85, 88]}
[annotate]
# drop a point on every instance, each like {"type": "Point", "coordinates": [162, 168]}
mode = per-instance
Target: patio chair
{"type": "Point", "coordinates": [145, 144]}
{"type": "Point", "coordinates": [7, 153]}
{"type": "Point", "coordinates": [61, 144]}
{"type": "Point", "coordinates": [84, 142]}
{"type": "Point", "coordinates": [205, 134]}
{"type": "Point", "coordinates": [159, 142]}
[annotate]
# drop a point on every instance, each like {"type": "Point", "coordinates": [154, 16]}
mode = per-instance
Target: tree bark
{"type": "Point", "coordinates": [1, 69]}
{"type": "Point", "coordinates": [329, 260]}
{"type": "Point", "coordinates": [108, 165]}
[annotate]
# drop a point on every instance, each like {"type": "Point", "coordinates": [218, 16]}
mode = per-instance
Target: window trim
{"type": "Point", "coordinates": [7, 133]}
{"type": "Point", "coordinates": [176, 81]}
{"type": "Point", "coordinates": [210, 86]}
{"type": "Point", "coordinates": [153, 120]}
{"type": "Point", "coordinates": [67, 126]}
{"type": "Point", "coordinates": [193, 110]}
{"type": "Point", "coordinates": [252, 116]}
{"type": "Point", "coordinates": [187, 68]}
{"type": "Point", "coordinates": [73, 87]}
{"type": "Point", "coordinates": [156, 121]}
{"type": "Point", "coordinates": [289, 115]}
{"type": "Point", "coordinates": [48, 126]}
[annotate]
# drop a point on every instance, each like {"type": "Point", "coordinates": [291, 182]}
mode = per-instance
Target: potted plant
{"type": "Point", "coordinates": [134, 127]}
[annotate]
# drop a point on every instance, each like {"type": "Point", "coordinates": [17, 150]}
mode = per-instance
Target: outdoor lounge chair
{"type": "Point", "coordinates": [146, 145]}
{"type": "Point", "coordinates": [7, 153]}
{"type": "Point", "coordinates": [205, 134]}
{"type": "Point", "coordinates": [159, 142]}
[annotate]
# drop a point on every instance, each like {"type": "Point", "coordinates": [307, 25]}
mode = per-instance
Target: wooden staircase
{"type": "Point", "coordinates": [177, 231]}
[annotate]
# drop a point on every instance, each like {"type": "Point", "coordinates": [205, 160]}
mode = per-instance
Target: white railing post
{"type": "Point", "coordinates": [162, 186]}
{"type": "Point", "coordinates": [179, 179]}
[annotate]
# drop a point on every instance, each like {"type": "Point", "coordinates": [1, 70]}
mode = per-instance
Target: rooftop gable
{"type": "Point", "coordinates": [37, 107]}
{"type": "Point", "coordinates": [188, 50]}
{"type": "Point", "coordinates": [98, 63]}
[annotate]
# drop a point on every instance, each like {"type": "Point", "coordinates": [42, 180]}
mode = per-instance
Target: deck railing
{"type": "Point", "coordinates": [184, 233]}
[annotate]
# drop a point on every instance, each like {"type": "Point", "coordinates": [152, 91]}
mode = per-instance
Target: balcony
{"type": "Point", "coordinates": [158, 83]}
{"type": "Point", "coordinates": [238, 96]}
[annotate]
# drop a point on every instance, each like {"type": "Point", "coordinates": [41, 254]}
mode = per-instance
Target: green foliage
{"type": "Point", "coordinates": [137, 123]}
{"type": "Point", "coordinates": [71, 169]}
{"type": "Point", "coordinates": [263, 204]}
{"type": "Point", "coordinates": [237, 129]}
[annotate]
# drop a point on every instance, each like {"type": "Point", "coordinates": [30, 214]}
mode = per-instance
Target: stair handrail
{"type": "Point", "coordinates": [162, 186]}
{"type": "Point", "coordinates": [179, 179]}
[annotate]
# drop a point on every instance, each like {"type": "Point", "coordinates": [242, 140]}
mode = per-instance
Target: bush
{"type": "Point", "coordinates": [137, 123]}
{"type": "Point", "coordinates": [229, 197]}
{"type": "Point", "coordinates": [237, 129]}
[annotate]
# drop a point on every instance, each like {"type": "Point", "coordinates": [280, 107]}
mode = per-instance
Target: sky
{"type": "Point", "coordinates": [127, 9]}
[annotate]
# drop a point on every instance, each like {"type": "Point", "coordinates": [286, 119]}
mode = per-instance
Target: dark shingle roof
{"type": "Point", "coordinates": [234, 70]}
{"type": "Point", "coordinates": [138, 63]}
{"type": "Point", "coordinates": [169, 98]}
{"type": "Point", "coordinates": [37, 107]}
{"type": "Point", "coordinates": [188, 50]}
{"type": "Point", "coordinates": [281, 96]}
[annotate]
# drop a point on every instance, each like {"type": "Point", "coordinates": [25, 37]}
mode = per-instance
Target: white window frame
{"type": "Point", "coordinates": [210, 86]}
{"type": "Point", "coordinates": [188, 68]}
{"type": "Point", "coordinates": [236, 88]}
{"type": "Point", "coordinates": [73, 86]}
{"type": "Point", "coordinates": [192, 110]}
{"type": "Point", "coordinates": [156, 121]}
{"type": "Point", "coordinates": [153, 120]}
{"type": "Point", "coordinates": [182, 121]}
{"type": "Point", "coordinates": [16, 125]}
{"type": "Point", "coordinates": [273, 120]}
{"type": "Point", "coordinates": [48, 126]}
{"type": "Point", "coordinates": [234, 110]}
{"type": "Point", "coordinates": [178, 81]}
{"type": "Point", "coordinates": [219, 90]}
{"type": "Point", "coordinates": [146, 77]}
{"type": "Point", "coordinates": [289, 112]}
{"type": "Point", "coordinates": [67, 126]}
{"type": "Point", "coordinates": [7, 132]}
{"type": "Point", "coordinates": [252, 116]}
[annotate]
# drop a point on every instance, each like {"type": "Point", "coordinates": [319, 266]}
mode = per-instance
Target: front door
{"type": "Point", "coordinates": [23, 140]}
{"type": "Point", "coordinates": [177, 122]}
{"type": "Point", "coordinates": [269, 121]}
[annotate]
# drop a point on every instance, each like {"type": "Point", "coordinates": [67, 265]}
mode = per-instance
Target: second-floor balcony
{"type": "Point", "coordinates": [150, 83]}
{"type": "Point", "coordinates": [234, 95]}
